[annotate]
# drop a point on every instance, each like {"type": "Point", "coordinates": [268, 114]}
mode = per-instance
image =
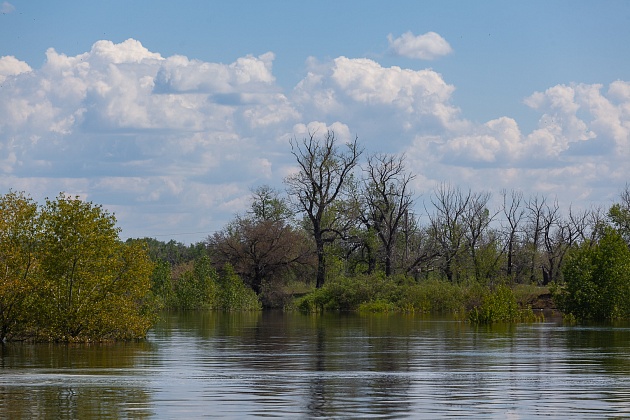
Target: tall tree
{"type": "Point", "coordinates": [513, 213]}
{"type": "Point", "coordinates": [92, 284]}
{"type": "Point", "coordinates": [388, 200]}
{"type": "Point", "coordinates": [18, 262]}
{"type": "Point", "coordinates": [319, 184]}
{"type": "Point", "coordinates": [447, 225]}
{"type": "Point", "coordinates": [480, 243]}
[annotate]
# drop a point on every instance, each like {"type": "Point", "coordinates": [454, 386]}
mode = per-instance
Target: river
{"type": "Point", "coordinates": [272, 364]}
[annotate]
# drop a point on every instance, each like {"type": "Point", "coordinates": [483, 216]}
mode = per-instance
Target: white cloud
{"type": "Point", "coordinates": [428, 46]}
{"type": "Point", "coordinates": [173, 144]}
{"type": "Point", "coordinates": [11, 66]}
{"type": "Point", "coordinates": [362, 93]}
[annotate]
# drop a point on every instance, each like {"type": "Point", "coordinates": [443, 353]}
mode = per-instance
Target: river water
{"type": "Point", "coordinates": [270, 364]}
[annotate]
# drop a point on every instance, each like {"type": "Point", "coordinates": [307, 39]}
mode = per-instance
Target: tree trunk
{"type": "Point", "coordinates": [321, 264]}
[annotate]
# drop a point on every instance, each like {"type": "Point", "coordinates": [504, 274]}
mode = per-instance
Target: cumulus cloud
{"type": "Point", "coordinates": [362, 93]}
{"type": "Point", "coordinates": [11, 66]}
{"type": "Point", "coordinates": [428, 46]}
{"type": "Point", "coordinates": [174, 144]}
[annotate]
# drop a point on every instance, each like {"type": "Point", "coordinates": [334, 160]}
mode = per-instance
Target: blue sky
{"type": "Point", "coordinates": [167, 113]}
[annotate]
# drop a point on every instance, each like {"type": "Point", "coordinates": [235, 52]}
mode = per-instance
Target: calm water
{"type": "Point", "coordinates": [289, 365]}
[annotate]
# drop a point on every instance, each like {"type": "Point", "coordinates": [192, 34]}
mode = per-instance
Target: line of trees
{"type": "Point", "coordinates": [338, 211]}
{"type": "Point", "coordinates": [345, 217]}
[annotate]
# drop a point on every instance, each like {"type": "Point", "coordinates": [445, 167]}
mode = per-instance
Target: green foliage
{"type": "Point", "coordinates": [597, 280]}
{"type": "Point", "coordinates": [499, 305]}
{"type": "Point", "coordinates": [378, 293]}
{"type": "Point", "coordinates": [196, 288]}
{"type": "Point", "coordinates": [377, 306]}
{"type": "Point", "coordinates": [233, 295]}
{"type": "Point", "coordinates": [434, 296]}
{"type": "Point", "coordinates": [18, 265]}
{"type": "Point", "coordinates": [92, 286]}
{"type": "Point", "coordinates": [172, 252]}
{"type": "Point", "coordinates": [66, 276]}
{"type": "Point", "coordinates": [619, 215]}
{"type": "Point", "coordinates": [161, 284]}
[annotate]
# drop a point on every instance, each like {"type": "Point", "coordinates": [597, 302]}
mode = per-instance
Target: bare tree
{"type": "Point", "coordinates": [559, 234]}
{"type": "Point", "coordinates": [535, 210]}
{"type": "Point", "coordinates": [387, 200]}
{"type": "Point", "coordinates": [446, 224]}
{"type": "Point", "coordinates": [514, 213]}
{"type": "Point", "coordinates": [476, 221]}
{"type": "Point", "coordinates": [323, 175]}
{"type": "Point", "coordinates": [262, 252]}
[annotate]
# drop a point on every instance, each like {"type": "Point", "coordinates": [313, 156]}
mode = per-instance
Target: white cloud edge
{"type": "Point", "coordinates": [428, 46]}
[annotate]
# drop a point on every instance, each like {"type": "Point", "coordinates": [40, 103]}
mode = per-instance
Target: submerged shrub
{"type": "Point", "coordinates": [500, 306]}
{"type": "Point", "coordinates": [377, 306]}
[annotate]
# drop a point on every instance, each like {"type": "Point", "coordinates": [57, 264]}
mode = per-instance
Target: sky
{"type": "Point", "coordinates": [169, 113]}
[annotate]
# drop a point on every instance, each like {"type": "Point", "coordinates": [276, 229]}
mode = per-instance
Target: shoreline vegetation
{"type": "Point", "coordinates": [344, 237]}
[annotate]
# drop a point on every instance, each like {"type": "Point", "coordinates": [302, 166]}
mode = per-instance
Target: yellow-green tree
{"type": "Point", "coordinates": [18, 265]}
{"type": "Point", "coordinates": [92, 285]}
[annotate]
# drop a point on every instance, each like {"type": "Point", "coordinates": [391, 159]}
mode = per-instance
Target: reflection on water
{"type": "Point", "coordinates": [198, 364]}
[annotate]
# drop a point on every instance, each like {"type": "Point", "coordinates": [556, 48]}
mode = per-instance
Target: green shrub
{"type": "Point", "coordinates": [377, 306]}
{"type": "Point", "coordinates": [195, 288]}
{"type": "Point", "coordinates": [432, 296]}
{"type": "Point", "coordinates": [233, 294]}
{"type": "Point", "coordinates": [500, 306]}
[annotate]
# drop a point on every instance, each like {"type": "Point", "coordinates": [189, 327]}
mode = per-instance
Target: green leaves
{"type": "Point", "coordinates": [597, 278]}
{"type": "Point", "coordinates": [18, 266]}
{"type": "Point", "coordinates": [83, 283]}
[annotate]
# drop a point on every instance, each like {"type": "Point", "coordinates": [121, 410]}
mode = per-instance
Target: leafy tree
{"type": "Point", "coordinates": [18, 263]}
{"type": "Point", "coordinates": [319, 184]}
{"type": "Point", "coordinates": [196, 287]}
{"type": "Point", "coordinates": [233, 295]}
{"type": "Point", "coordinates": [261, 251]}
{"type": "Point", "coordinates": [267, 205]}
{"type": "Point", "coordinates": [92, 285]}
{"type": "Point", "coordinates": [597, 280]}
{"type": "Point", "coordinates": [619, 214]}
{"type": "Point", "coordinates": [172, 251]}
{"type": "Point", "coordinates": [161, 283]}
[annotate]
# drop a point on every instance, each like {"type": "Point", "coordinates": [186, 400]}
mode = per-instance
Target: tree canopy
{"type": "Point", "coordinates": [83, 283]}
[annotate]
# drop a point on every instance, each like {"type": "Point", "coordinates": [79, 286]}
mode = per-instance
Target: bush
{"type": "Point", "coordinates": [233, 294]}
{"type": "Point", "coordinates": [500, 306]}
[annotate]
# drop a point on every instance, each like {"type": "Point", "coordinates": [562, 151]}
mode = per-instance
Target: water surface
{"type": "Point", "coordinates": [206, 364]}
